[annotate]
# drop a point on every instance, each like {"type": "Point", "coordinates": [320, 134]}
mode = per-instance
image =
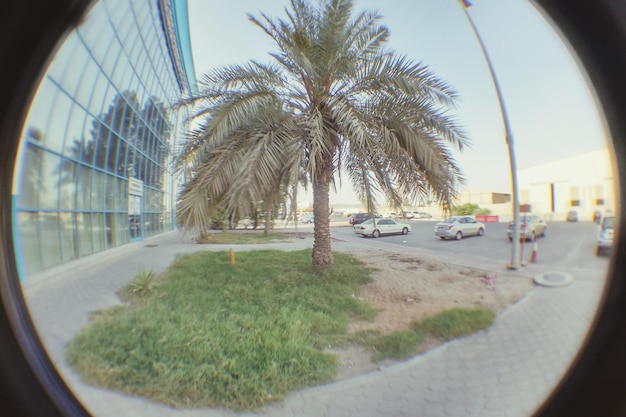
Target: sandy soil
{"type": "Point", "coordinates": [408, 288]}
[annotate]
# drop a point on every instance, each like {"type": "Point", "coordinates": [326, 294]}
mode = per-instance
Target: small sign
{"type": "Point", "coordinates": [135, 187]}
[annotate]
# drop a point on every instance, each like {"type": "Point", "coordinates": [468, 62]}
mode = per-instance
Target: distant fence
{"type": "Point", "coordinates": [487, 219]}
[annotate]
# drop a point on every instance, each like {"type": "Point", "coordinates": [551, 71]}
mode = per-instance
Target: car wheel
{"type": "Point", "coordinates": [510, 239]}
{"type": "Point", "coordinates": [405, 230]}
{"type": "Point", "coordinates": [458, 236]}
{"type": "Point", "coordinates": [481, 231]}
{"type": "Point", "coordinates": [442, 238]}
{"type": "Point", "coordinates": [376, 233]}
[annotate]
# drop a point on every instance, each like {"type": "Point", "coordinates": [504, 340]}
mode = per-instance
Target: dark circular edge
{"type": "Point", "coordinates": [29, 382]}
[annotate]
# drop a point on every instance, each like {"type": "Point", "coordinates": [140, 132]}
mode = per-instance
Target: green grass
{"type": "Point", "coordinates": [456, 322]}
{"type": "Point", "coordinates": [239, 237]}
{"type": "Point", "coordinates": [397, 345]}
{"type": "Point", "coordinates": [449, 324]}
{"type": "Point", "coordinates": [211, 334]}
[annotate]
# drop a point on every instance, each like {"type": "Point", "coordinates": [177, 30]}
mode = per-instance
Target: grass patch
{"type": "Point", "coordinates": [456, 322]}
{"type": "Point", "coordinates": [397, 345]}
{"type": "Point", "coordinates": [236, 237]}
{"type": "Point", "coordinates": [449, 324]}
{"type": "Point", "coordinates": [215, 335]}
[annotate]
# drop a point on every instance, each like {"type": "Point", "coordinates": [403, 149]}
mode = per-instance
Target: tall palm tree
{"type": "Point", "coordinates": [333, 99]}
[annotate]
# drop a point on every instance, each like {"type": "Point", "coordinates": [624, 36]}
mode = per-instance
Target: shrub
{"type": "Point", "coordinates": [142, 285]}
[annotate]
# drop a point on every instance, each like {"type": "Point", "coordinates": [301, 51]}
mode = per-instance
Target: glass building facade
{"type": "Point", "coordinates": [95, 168]}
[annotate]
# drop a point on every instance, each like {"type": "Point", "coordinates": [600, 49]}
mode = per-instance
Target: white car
{"type": "Point", "coordinates": [382, 227]}
{"type": "Point", "coordinates": [457, 227]}
{"type": "Point", "coordinates": [307, 218]}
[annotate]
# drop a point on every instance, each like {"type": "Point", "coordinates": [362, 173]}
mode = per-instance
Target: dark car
{"type": "Point", "coordinates": [605, 234]}
{"type": "Point", "coordinates": [572, 216]}
{"type": "Point", "coordinates": [597, 215]}
{"type": "Point", "coordinates": [359, 218]}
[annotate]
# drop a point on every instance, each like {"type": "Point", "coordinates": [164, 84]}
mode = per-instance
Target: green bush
{"type": "Point", "coordinates": [464, 209]}
{"type": "Point", "coordinates": [469, 209]}
{"type": "Point", "coordinates": [142, 285]}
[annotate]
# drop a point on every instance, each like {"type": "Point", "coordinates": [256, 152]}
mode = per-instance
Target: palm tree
{"type": "Point", "coordinates": [333, 99]}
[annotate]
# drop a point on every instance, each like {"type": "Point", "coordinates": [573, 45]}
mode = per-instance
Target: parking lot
{"type": "Point", "coordinates": [565, 246]}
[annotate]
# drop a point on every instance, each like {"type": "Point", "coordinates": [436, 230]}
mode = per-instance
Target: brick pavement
{"type": "Point", "coordinates": [505, 371]}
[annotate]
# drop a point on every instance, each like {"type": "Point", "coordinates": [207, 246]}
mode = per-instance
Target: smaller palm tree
{"type": "Point", "coordinates": [334, 99]}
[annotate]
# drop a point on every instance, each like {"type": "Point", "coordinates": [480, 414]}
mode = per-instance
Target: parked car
{"type": "Point", "coordinates": [359, 218]}
{"type": "Point", "coordinates": [458, 227]}
{"type": "Point", "coordinates": [422, 215]}
{"type": "Point", "coordinates": [572, 216]}
{"type": "Point", "coordinates": [381, 227]}
{"type": "Point", "coordinates": [531, 227]}
{"type": "Point", "coordinates": [307, 218]}
{"type": "Point", "coordinates": [597, 216]}
{"type": "Point", "coordinates": [605, 234]}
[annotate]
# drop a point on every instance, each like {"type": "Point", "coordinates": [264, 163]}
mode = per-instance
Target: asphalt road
{"type": "Point", "coordinates": [565, 246]}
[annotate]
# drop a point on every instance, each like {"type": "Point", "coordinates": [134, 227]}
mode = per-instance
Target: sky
{"type": "Point", "coordinates": [551, 109]}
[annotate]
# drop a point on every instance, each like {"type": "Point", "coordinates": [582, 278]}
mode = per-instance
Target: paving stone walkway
{"type": "Point", "coordinates": [506, 371]}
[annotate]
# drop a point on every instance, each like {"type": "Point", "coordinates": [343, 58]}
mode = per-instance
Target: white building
{"type": "Point", "coordinates": [584, 182]}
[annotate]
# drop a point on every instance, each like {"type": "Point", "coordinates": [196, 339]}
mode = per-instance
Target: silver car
{"type": "Point", "coordinates": [458, 227]}
{"type": "Point", "coordinates": [531, 227]}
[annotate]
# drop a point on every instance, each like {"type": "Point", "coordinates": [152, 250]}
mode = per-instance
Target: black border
{"type": "Point", "coordinates": [31, 386]}
{"type": "Point", "coordinates": [596, 384]}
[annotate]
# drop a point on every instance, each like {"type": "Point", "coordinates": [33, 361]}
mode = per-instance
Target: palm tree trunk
{"type": "Point", "coordinates": [322, 250]}
{"type": "Point", "coordinates": [269, 212]}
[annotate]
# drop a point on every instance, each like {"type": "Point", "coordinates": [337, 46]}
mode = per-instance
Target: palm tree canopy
{"type": "Point", "coordinates": [334, 97]}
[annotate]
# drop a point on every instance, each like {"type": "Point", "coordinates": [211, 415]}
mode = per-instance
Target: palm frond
{"type": "Point", "coordinates": [334, 98]}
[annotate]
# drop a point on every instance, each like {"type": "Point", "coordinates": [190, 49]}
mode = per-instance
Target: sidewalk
{"type": "Point", "coordinates": [505, 371]}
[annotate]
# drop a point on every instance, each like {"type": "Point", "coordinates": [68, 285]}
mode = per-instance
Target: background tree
{"type": "Point", "coordinates": [469, 209]}
{"type": "Point", "coordinates": [333, 99]}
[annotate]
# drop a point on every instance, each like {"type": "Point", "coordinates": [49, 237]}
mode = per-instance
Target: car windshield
{"type": "Point", "coordinates": [367, 221]}
{"type": "Point", "coordinates": [608, 223]}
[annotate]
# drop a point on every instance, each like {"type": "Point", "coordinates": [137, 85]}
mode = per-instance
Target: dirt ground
{"type": "Point", "coordinates": [407, 288]}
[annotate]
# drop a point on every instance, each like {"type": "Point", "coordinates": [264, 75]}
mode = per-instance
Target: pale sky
{"type": "Point", "coordinates": [551, 109]}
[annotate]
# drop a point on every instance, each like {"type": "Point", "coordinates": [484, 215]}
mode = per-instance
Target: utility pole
{"type": "Point", "coordinates": [515, 252]}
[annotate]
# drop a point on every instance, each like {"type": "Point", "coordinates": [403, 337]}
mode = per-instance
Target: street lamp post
{"type": "Point", "coordinates": [515, 252]}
